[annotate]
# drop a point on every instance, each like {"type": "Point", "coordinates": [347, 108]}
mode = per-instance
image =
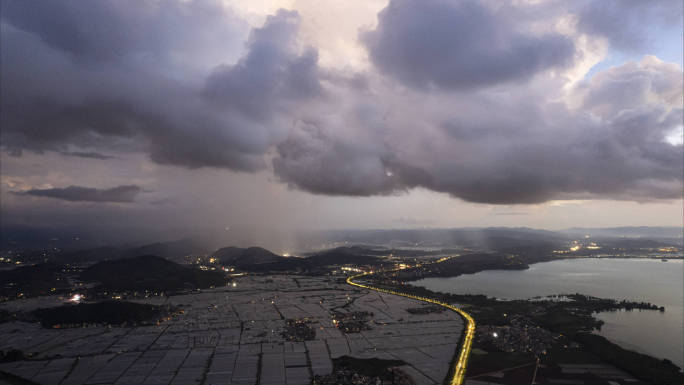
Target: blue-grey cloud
{"type": "Point", "coordinates": [625, 23]}
{"type": "Point", "coordinates": [459, 45]}
{"type": "Point", "coordinates": [271, 72]}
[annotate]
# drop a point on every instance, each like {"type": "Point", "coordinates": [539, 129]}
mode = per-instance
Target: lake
{"type": "Point", "coordinates": [662, 283]}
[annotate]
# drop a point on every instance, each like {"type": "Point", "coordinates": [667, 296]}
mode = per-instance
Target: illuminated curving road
{"type": "Point", "coordinates": [459, 368]}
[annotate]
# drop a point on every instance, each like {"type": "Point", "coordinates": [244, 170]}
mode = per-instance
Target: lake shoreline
{"type": "Point", "coordinates": [606, 280]}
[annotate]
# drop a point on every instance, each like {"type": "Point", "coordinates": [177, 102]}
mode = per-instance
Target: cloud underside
{"type": "Point", "coordinates": [462, 98]}
{"type": "Point", "coordinates": [119, 194]}
{"type": "Point", "coordinates": [89, 155]}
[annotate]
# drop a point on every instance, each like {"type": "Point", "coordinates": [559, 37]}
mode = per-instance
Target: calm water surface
{"type": "Point", "coordinates": [651, 332]}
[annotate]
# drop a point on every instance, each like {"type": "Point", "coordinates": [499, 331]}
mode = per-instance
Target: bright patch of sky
{"type": "Point", "coordinates": [665, 43]}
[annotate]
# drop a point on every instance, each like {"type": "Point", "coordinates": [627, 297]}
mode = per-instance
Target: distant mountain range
{"type": "Point", "coordinates": [259, 259]}
{"type": "Point", "coordinates": [376, 242]}
{"type": "Point", "coordinates": [628, 232]}
{"type": "Point", "coordinates": [151, 267]}
{"type": "Point", "coordinates": [487, 238]}
{"type": "Point", "coordinates": [171, 250]}
{"type": "Point", "coordinates": [491, 238]}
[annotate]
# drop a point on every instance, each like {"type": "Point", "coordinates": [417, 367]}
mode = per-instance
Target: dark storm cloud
{"type": "Point", "coordinates": [251, 94]}
{"type": "Point", "coordinates": [457, 45]}
{"type": "Point", "coordinates": [625, 23]}
{"type": "Point", "coordinates": [315, 161]}
{"type": "Point", "coordinates": [108, 30]}
{"type": "Point", "coordinates": [115, 74]}
{"type": "Point", "coordinates": [485, 149]}
{"type": "Point", "coordinates": [91, 77]}
{"type": "Point", "coordinates": [119, 194]}
{"type": "Point", "coordinates": [88, 155]}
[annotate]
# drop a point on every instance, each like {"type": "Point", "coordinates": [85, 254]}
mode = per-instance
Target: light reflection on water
{"type": "Point", "coordinates": [661, 283]}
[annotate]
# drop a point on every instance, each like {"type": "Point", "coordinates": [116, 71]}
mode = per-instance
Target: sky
{"type": "Point", "coordinates": [151, 118]}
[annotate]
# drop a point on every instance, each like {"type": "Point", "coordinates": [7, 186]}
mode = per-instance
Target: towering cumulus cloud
{"type": "Point", "coordinates": [493, 134]}
{"type": "Point", "coordinates": [478, 99]}
{"type": "Point", "coordinates": [124, 74]}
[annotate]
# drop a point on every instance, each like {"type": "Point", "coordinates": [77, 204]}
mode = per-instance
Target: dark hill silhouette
{"type": "Point", "coordinates": [345, 255]}
{"type": "Point", "coordinates": [32, 280]}
{"type": "Point", "coordinates": [243, 257]}
{"type": "Point", "coordinates": [173, 249]}
{"type": "Point", "coordinates": [257, 259]}
{"type": "Point", "coordinates": [92, 255]}
{"type": "Point", "coordinates": [150, 272]}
